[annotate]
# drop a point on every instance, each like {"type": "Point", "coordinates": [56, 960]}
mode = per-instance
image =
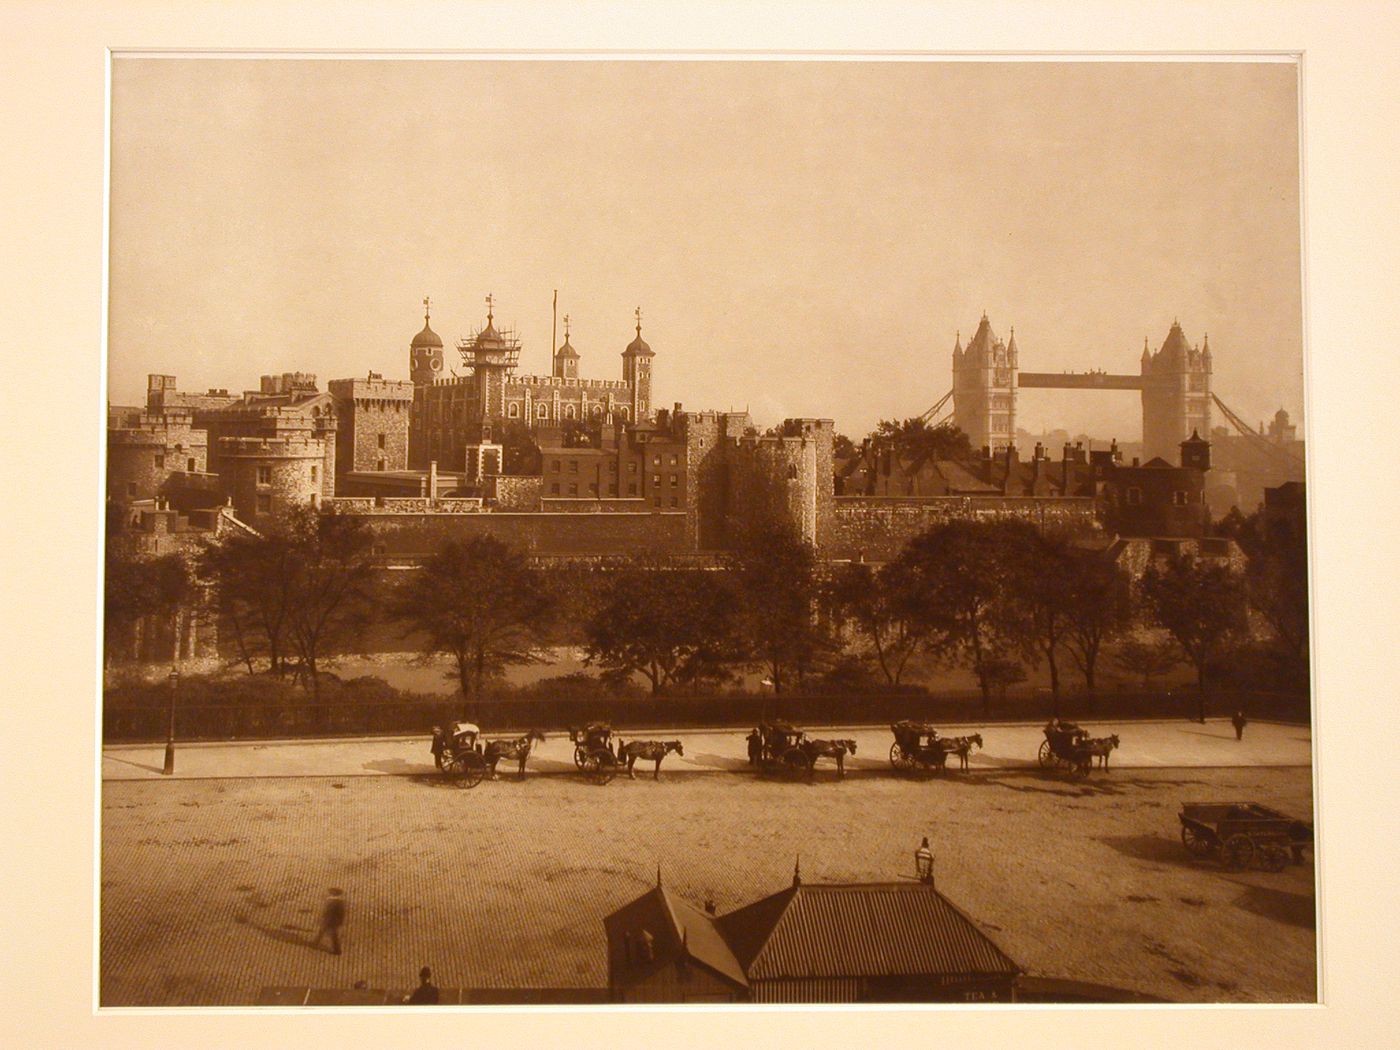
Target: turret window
{"type": "Point", "coordinates": [264, 475]}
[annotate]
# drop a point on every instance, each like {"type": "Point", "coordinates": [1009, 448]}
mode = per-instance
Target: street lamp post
{"type": "Point", "coordinates": [174, 680]}
{"type": "Point", "coordinates": [923, 863]}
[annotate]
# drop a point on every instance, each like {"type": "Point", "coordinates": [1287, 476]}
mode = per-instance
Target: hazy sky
{"type": "Point", "coordinates": [804, 238]}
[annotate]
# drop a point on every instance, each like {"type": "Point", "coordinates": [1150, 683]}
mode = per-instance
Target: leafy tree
{"type": "Point", "coordinates": [1148, 659]}
{"type": "Point", "coordinates": [1277, 576]}
{"type": "Point", "coordinates": [961, 586]}
{"type": "Point", "coordinates": [1042, 581]}
{"type": "Point", "coordinates": [329, 602]}
{"type": "Point", "coordinates": [669, 624]}
{"type": "Point", "coordinates": [135, 589]}
{"type": "Point", "coordinates": [480, 602]}
{"type": "Point", "coordinates": [1099, 609]}
{"type": "Point", "coordinates": [874, 603]}
{"type": "Point", "coordinates": [1001, 673]}
{"type": "Point", "coordinates": [774, 579]}
{"type": "Point", "coordinates": [1203, 605]}
{"type": "Point", "coordinates": [843, 447]}
{"type": "Point", "coordinates": [914, 438]}
{"type": "Point", "coordinates": [253, 576]}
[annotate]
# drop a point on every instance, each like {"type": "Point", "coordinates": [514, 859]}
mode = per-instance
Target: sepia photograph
{"type": "Point", "coordinates": [646, 531]}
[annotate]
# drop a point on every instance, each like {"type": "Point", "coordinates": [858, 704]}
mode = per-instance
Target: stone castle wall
{"type": "Point", "coordinates": [265, 477]}
{"type": "Point", "coordinates": [416, 535]}
{"type": "Point", "coordinates": [869, 528]}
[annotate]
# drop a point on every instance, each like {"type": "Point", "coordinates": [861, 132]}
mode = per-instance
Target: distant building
{"type": "Point", "coordinates": [492, 403]}
{"type": "Point", "coordinates": [808, 943]}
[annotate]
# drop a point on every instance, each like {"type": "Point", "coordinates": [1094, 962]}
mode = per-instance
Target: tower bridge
{"type": "Point", "coordinates": [1174, 383]}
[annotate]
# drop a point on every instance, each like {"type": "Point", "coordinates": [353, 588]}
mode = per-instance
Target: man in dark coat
{"type": "Point", "coordinates": [426, 994]}
{"type": "Point", "coordinates": [332, 919]}
{"type": "Point", "coordinates": [1239, 722]}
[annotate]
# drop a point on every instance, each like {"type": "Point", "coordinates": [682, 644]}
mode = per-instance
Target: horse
{"type": "Point", "coordinates": [517, 749]}
{"type": "Point", "coordinates": [960, 746]}
{"type": "Point", "coordinates": [837, 749]}
{"type": "Point", "coordinates": [651, 750]}
{"type": "Point", "coordinates": [1097, 747]}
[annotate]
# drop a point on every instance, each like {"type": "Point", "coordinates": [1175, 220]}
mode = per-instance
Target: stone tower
{"type": "Point", "coordinates": [425, 354]}
{"type": "Point", "coordinates": [492, 355]}
{"type": "Point", "coordinates": [636, 372]}
{"type": "Point", "coordinates": [566, 357]}
{"type": "Point", "coordinates": [1175, 393]}
{"type": "Point", "coordinates": [984, 388]}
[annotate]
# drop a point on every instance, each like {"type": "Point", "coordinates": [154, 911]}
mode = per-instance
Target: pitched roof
{"type": "Point", "coordinates": [873, 929]}
{"type": "Point", "coordinates": [672, 923]}
{"type": "Point", "coordinates": [959, 479]}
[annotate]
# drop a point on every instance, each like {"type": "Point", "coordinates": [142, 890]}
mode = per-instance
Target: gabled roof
{"type": "Point", "coordinates": [959, 479]}
{"type": "Point", "coordinates": [870, 929]}
{"type": "Point", "coordinates": [672, 924]}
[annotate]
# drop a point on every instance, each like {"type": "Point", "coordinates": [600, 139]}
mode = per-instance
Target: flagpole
{"type": "Point", "coordinates": [554, 331]}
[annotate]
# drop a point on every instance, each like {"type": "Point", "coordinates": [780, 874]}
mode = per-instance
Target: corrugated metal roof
{"type": "Point", "coordinates": [878, 929]}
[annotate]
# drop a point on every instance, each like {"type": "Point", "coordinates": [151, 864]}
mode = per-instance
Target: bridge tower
{"type": "Point", "coordinates": [984, 388]}
{"type": "Point", "coordinates": [1175, 394]}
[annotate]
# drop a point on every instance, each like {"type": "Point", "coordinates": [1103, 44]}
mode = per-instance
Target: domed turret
{"type": "Point", "coordinates": [425, 352]}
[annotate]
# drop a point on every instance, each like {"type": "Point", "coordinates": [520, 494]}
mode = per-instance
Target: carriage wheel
{"type": "Point", "coordinates": [1194, 841]}
{"type": "Point", "coordinates": [897, 757]}
{"type": "Point", "coordinates": [443, 760]}
{"type": "Point", "coordinates": [603, 767]}
{"type": "Point", "coordinates": [1046, 757]}
{"type": "Point", "coordinates": [795, 762]}
{"type": "Point", "coordinates": [1273, 857]}
{"type": "Point", "coordinates": [473, 769]}
{"type": "Point", "coordinates": [579, 757]}
{"type": "Point", "coordinates": [1237, 851]}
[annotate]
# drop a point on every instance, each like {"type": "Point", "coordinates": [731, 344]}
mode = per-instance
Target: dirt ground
{"type": "Point", "coordinates": [211, 888]}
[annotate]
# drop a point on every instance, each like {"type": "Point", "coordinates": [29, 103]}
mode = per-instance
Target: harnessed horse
{"type": "Point", "coordinates": [837, 749]}
{"type": "Point", "coordinates": [649, 750]}
{"type": "Point", "coordinates": [515, 750]}
{"type": "Point", "coordinates": [960, 746]}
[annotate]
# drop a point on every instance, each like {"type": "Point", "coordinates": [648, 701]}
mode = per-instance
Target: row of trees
{"type": "Point", "coordinates": [992, 597]}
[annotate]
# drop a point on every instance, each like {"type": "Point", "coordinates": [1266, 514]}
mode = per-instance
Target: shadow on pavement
{"type": "Point", "coordinates": [128, 762]}
{"type": "Point", "coordinates": [1154, 848]}
{"type": "Point", "coordinates": [712, 761]}
{"type": "Point", "coordinates": [1294, 909]}
{"type": "Point", "coordinates": [397, 766]}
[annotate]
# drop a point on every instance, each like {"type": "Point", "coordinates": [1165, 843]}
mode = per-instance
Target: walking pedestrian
{"type": "Point", "coordinates": [1239, 722]}
{"type": "Point", "coordinates": [332, 919]}
{"type": "Point", "coordinates": [426, 994]}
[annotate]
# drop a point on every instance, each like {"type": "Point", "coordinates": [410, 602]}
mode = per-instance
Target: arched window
{"type": "Point", "coordinates": [568, 411]}
{"type": "Point", "coordinates": [597, 411]}
{"type": "Point", "coordinates": [513, 410]}
{"type": "Point", "coordinates": [623, 411]}
{"type": "Point", "coordinates": [542, 410]}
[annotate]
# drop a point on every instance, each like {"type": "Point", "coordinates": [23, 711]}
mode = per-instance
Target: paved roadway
{"type": "Point", "coordinates": [1145, 745]}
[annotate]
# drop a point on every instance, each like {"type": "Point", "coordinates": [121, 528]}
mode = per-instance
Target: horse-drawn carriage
{"type": "Point", "coordinates": [461, 753]}
{"type": "Point", "coordinates": [458, 753]}
{"type": "Point", "coordinates": [593, 751]}
{"type": "Point", "coordinates": [780, 747]}
{"type": "Point", "coordinates": [1069, 746]}
{"type": "Point", "coordinates": [917, 745]}
{"type": "Point", "coordinates": [1243, 834]}
{"type": "Point", "coordinates": [777, 747]}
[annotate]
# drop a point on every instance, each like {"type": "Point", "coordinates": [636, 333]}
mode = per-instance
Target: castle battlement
{"type": "Point", "coordinates": [271, 448]}
{"type": "Point", "coordinates": [567, 384]}
{"type": "Point", "coordinates": [374, 388]}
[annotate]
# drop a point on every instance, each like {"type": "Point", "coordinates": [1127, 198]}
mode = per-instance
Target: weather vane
{"type": "Point", "coordinates": [566, 328]}
{"type": "Point", "coordinates": [490, 305]}
{"type": "Point", "coordinates": [638, 312]}
{"type": "Point", "coordinates": [425, 308]}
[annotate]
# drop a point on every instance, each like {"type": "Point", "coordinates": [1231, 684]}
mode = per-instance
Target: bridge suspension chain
{"type": "Point", "coordinates": [1257, 439]}
{"type": "Point", "coordinates": [936, 415]}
